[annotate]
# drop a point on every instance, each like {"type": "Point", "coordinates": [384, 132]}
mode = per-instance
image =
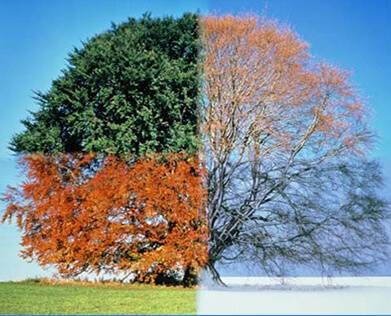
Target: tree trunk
{"type": "Point", "coordinates": [190, 278]}
{"type": "Point", "coordinates": [215, 274]}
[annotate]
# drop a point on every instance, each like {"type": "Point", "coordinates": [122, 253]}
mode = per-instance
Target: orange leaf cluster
{"type": "Point", "coordinates": [261, 81]}
{"type": "Point", "coordinates": [85, 213]}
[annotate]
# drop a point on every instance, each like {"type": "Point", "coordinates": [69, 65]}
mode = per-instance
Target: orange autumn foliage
{"type": "Point", "coordinates": [260, 79]}
{"type": "Point", "coordinates": [85, 213]}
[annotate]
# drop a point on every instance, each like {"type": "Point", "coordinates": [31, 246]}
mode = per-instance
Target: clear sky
{"type": "Point", "coordinates": [35, 37]}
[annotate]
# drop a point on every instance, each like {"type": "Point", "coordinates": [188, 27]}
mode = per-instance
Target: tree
{"type": "Point", "coordinates": [88, 213]}
{"type": "Point", "coordinates": [130, 90]}
{"type": "Point", "coordinates": [289, 181]}
{"type": "Point", "coordinates": [94, 200]}
{"type": "Point", "coordinates": [284, 140]}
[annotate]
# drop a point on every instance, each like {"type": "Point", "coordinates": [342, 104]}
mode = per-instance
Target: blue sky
{"type": "Point", "coordinates": [35, 37]}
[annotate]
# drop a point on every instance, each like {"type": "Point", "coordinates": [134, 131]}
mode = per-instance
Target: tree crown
{"type": "Point", "coordinates": [132, 89]}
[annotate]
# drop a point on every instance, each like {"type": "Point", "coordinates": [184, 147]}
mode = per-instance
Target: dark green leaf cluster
{"type": "Point", "coordinates": [133, 89]}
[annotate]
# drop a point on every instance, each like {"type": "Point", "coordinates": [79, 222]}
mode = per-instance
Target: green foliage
{"type": "Point", "coordinates": [133, 89]}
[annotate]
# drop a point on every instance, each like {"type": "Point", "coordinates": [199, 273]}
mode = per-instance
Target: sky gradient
{"type": "Point", "coordinates": [36, 36]}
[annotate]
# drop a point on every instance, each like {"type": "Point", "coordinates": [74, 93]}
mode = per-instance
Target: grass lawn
{"type": "Point", "coordinates": [38, 297]}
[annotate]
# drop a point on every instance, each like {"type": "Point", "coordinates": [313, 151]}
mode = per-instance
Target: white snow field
{"type": "Point", "coordinates": [297, 295]}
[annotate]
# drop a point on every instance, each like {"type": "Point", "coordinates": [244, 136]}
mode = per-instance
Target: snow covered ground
{"type": "Point", "coordinates": [297, 295]}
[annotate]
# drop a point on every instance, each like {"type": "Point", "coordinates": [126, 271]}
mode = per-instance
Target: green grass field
{"type": "Point", "coordinates": [33, 297]}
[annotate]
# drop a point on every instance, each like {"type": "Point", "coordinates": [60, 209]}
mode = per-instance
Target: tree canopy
{"type": "Point", "coordinates": [124, 134]}
{"type": "Point", "coordinates": [113, 178]}
{"type": "Point", "coordinates": [130, 90]}
{"type": "Point", "coordinates": [85, 213]}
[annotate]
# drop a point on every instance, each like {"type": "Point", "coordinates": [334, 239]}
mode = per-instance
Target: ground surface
{"type": "Point", "coordinates": [303, 296]}
{"type": "Point", "coordinates": [30, 297]}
